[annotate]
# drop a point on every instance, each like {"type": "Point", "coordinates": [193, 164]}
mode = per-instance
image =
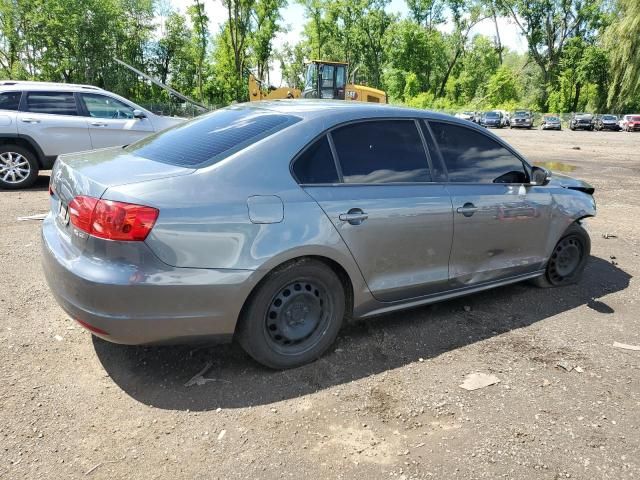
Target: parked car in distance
{"type": "Point", "coordinates": [630, 123]}
{"type": "Point", "coordinates": [582, 121]}
{"type": "Point", "coordinates": [551, 122]}
{"type": "Point", "coordinates": [493, 119]}
{"type": "Point", "coordinates": [606, 122]}
{"type": "Point", "coordinates": [271, 221]}
{"type": "Point", "coordinates": [39, 121]}
{"type": "Point", "coordinates": [470, 116]}
{"type": "Point", "coordinates": [522, 119]}
{"type": "Point", "coordinates": [506, 118]}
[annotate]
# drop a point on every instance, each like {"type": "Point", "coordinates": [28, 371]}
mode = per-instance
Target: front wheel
{"type": "Point", "coordinates": [568, 259]}
{"type": "Point", "coordinates": [294, 316]}
{"type": "Point", "coordinates": [18, 167]}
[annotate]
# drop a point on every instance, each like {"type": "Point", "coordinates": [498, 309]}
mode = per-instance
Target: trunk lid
{"type": "Point", "coordinates": [91, 173]}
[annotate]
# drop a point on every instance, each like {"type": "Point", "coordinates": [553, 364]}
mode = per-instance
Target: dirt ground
{"type": "Point", "coordinates": [384, 403]}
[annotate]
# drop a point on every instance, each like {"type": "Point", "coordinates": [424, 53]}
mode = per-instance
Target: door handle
{"type": "Point", "coordinates": [98, 124]}
{"type": "Point", "coordinates": [467, 209]}
{"type": "Point", "coordinates": [355, 216]}
{"type": "Point", "coordinates": [30, 120]}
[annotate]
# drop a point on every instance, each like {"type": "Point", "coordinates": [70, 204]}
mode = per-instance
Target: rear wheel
{"type": "Point", "coordinates": [18, 167]}
{"type": "Point", "coordinates": [294, 316]}
{"type": "Point", "coordinates": [568, 260]}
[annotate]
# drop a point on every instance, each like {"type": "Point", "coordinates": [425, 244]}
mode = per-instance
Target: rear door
{"type": "Point", "coordinates": [9, 104]}
{"type": "Point", "coordinates": [111, 122]}
{"type": "Point", "coordinates": [51, 119]}
{"type": "Point", "coordinates": [386, 203]}
{"type": "Point", "coordinates": [500, 221]}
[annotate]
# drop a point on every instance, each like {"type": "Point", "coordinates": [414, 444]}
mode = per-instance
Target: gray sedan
{"type": "Point", "coordinates": [271, 222]}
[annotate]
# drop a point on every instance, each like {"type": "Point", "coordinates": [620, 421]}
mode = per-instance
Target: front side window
{"type": "Point", "coordinates": [56, 103]}
{"type": "Point", "coordinates": [473, 157]}
{"type": "Point", "coordinates": [101, 106]}
{"type": "Point", "coordinates": [211, 138]}
{"type": "Point", "coordinates": [385, 151]}
{"type": "Point", "coordinates": [10, 100]}
{"type": "Point", "coordinates": [316, 164]}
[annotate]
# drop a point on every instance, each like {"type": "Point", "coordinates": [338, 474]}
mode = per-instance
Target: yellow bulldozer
{"type": "Point", "coordinates": [323, 79]}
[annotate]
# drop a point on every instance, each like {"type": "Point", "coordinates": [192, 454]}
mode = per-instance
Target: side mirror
{"type": "Point", "coordinates": [540, 176]}
{"type": "Point", "coordinates": [138, 114]}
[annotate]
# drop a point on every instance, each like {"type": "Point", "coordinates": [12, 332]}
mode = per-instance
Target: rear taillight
{"type": "Point", "coordinates": [112, 220]}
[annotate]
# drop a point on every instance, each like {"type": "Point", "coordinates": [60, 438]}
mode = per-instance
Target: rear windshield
{"type": "Point", "coordinates": [211, 138]}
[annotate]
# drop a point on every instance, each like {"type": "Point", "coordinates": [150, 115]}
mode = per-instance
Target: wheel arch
{"type": "Point", "coordinates": [26, 142]}
{"type": "Point", "coordinates": [334, 265]}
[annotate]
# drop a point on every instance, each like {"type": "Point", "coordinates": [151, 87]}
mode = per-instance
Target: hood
{"type": "Point", "coordinates": [565, 181]}
{"type": "Point", "coordinates": [92, 172]}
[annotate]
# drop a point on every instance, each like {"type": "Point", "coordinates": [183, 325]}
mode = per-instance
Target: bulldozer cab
{"type": "Point", "coordinates": [327, 80]}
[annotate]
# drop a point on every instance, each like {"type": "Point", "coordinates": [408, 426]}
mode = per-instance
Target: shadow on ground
{"type": "Point", "coordinates": [41, 184]}
{"type": "Point", "coordinates": [157, 375]}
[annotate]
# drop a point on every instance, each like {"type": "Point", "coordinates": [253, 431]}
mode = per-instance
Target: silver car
{"type": "Point", "coordinates": [41, 120]}
{"type": "Point", "coordinates": [270, 222]}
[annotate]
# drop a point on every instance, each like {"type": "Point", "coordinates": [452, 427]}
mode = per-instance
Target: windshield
{"type": "Point", "coordinates": [551, 119]}
{"type": "Point", "coordinates": [609, 117]}
{"type": "Point", "coordinates": [635, 119]}
{"type": "Point", "coordinates": [210, 138]}
{"type": "Point", "coordinates": [522, 114]}
{"type": "Point", "coordinates": [492, 115]}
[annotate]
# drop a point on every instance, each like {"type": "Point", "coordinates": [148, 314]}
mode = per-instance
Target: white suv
{"type": "Point", "coordinates": [39, 121]}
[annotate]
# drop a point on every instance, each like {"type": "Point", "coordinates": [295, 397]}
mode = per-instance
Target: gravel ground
{"type": "Point", "coordinates": [384, 403]}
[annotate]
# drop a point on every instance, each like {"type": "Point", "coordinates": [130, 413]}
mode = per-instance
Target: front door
{"type": "Point", "coordinates": [394, 219]}
{"type": "Point", "coordinates": [111, 122]}
{"type": "Point", "coordinates": [500, 221]}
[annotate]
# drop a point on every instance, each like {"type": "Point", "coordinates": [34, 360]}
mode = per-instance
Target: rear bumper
{"type": "Point", "coordinates": [147, 302]}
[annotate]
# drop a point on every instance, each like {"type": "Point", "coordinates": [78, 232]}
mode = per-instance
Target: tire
{"type": "Point", "coordinates": [568, 259]}
{"type": "Point", "coordinates": [294, 315]}
{"type": "Point", "coordinates": [18, 167]}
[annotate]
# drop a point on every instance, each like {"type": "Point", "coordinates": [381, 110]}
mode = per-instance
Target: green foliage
{"type": "Point", "coordinates": [502, 87]}
{"type": "Point", "coordinates": [623, 46]}
{"type": "Point", "coordinates": [582, 55]}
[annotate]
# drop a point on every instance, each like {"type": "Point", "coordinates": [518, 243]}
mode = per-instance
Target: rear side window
{"type": "Point", "coordinates": [10, 100]}
{"type": "Point", "coordinates": [473, 157]}
{"type": "Point", "coordinates": [210, 138]}
{"type": "Point", "coordinates": [316, 164]}
{"type": "Point", "coordinates": [381, 151]}
{"type": "Point", "coordinates": [56, 103]}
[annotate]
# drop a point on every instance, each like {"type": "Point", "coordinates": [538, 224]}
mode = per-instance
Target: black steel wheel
{"type": "Point", "coordinates": [298, 315]}
{"type": "Point", "coordinates": [568, 259]}
{"type": "Point", "coordinates": [294, 315]}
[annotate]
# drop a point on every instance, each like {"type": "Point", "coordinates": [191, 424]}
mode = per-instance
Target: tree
{"type": "Point", "coordinates": [428, 13]}
{"type": "Point", "coordinates": [200, 35]}
{"type": "Point", "coordinates": [266, 14]}
{"type": "Point", "coordinates": [623, 43]}
{"type": "Point", "coordinates": [465, 15]}
{"type": "Point", "coordinates": [502, 88]}
{"type": "Point", "coordinates": [547, 26]}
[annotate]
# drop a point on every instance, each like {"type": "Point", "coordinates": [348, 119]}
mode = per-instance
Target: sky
{"type": "Point", "coordinates": [294, 20]}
